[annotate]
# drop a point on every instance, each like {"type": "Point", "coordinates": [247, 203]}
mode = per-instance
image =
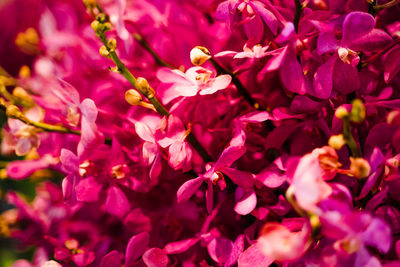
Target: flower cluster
{"type": "Point", "coordinates": [200, 133]}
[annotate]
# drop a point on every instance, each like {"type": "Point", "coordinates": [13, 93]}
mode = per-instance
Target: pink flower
{"type": "Point", "coordinates": [172, 135]}
{"type": "Point", "coordinates": [308, 184]}
{"type": "Point", "coordinates": [196, 80]}
{"type": "Point", "coordinates": [280, 243]}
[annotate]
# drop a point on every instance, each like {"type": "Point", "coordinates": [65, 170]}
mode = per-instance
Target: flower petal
{"type": "Point", "coordinates": [188, 189]}
{"type": "Point", "coordinates": [137, 245]}
{"type": "Point", "coordinates": [116, 203]}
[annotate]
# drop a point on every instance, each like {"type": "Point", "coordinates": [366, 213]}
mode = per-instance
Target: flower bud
{"type": "Point", "coordinates": [393, 117]}
{"type": "Point", "coordinates": [336, 141]}
{"type": "Point", "coordinates": [143, 86]}
{"type": "Point", "coordinates": [100, 27]}
{"type": "Point", "coordinates": [71, 244]}
{"type": "Point", "coordinates": [315, 223]}
{"type": "Point", "coordinates": [359, 167]}
{"type": "Point", "coordinates": [341, 112]}
{"type": "Point", "coordinates": [96, 25]}
{"type": "Point", "coordinates": [23, 98]}
{"type": "Point", "coordinates": [24, 72]}
{"type": "Point", "coordinates": [133, 97]}
{"type": "Point", "coordinates": [104, 52]}
{"type": "Point", "coordinates": [199, 55]}
{"type": "Point", "coordinates": [13, 111]}
{"type": "Point", "coordinates": [112, 44]}
{"type": "Point", "coordinates": [357, 113]}
{"type": "Point", "coordinates": [89, 2]}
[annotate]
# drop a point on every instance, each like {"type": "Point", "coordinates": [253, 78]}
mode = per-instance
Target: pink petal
{"type": "Point", "coordinates": [356, 25]}
{"type": "Point", "coordinates": [166, 75]}
{"type": "Point", "coordinates": [237, 249]}
{"type": "Point", "coordinates": [254, 30]}
{"type": "Point", "coordinates": [88, 190]}
{"type": "Point", "coordinates": [323, 79]}
{"type": "Point", "coordinates": [230, 155]}
{"type": "Point", "coordinates": [23, 146]}
{"type": "Point", "coordinates": [137, 245]}
{"type": "Point", "coordinates": [89, 110]}
{"type": "Point", "coordinates": [66, 92]}
{"type": "Point", "coordinates": [155, 257]}
{"type": "Point", "coordinates": [271, 178]}
{"type": "Point", "coordinates": [144, 132]}
{"type": "Point", "coordinates": [21, 169]}
{"type": "Point", "coordinates": [219, 83]}
{"type": "Point", "coordinates": [111, 259]}
{"type": "Point", "coordinates": [188, 189]}
{"type": "Point", "coordinates": [252, 257]}
{"type": "Point", "coordinates": [292, 74]}
{"type": "Point", "coordinates": [391, 64]}
{"type": "Point", "coordinates": [156, 168]}
{"type": "Point", "coordinates": [69, 161]}
{"type": "Point", "coordinates": [327, 43]}
{"type": "Point", "coordinates": [267, 16]}
{"type": "Point", "coordinates": [256, 116]}
{"type": "Point", "coordinates": [276, 62]}
{"type": "Point", "coordinates": [68, 188]}
{"type": "Point", "coordinates": [220, 249]}
{"type": "Point", "coordinates": [116, 203]}
{"type": "Point", "coordinates": [241, 178]}
{"type": "Point", "coordinates": [180, 246]}
{"type": "Point", "coordinates": [223, 11]}
{"type": "Point", "coordinates": [345, 77]}
{"type": "Point", "coordinates": [373, 41]}
{"type": "Point", "coordinates": [247, 202]}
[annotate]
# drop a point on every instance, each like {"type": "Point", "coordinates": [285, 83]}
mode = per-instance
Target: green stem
{"type": "Point", "coordinates": [348, 137]}
{"type": "Point", "coordinates": [378, 8]}
{"type": "Point", "coordinates": [47, 127]}
{"type": "Point", "coordinates": [235, 80]}
{"type": "Point", "coordinates": [142, 41]}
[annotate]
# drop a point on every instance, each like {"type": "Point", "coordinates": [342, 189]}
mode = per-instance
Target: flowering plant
{"type": "Point", "coordinates": [200, 133]}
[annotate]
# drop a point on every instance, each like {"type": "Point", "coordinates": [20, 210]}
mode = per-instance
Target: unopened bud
{"type": "Point", "coordinates": [341, 112]}
{"type": "Point", "coordinates": [13, 111]}
{"type": "Point", "coordinates": [114, 69]}
{"type": "Point", "coordinates": [336, 141]}
{"type": "Point", "coordinates": [71, 244]}
{"type": "Point", "coordinates": [357, 113]}
{"type": "Point", "coordinates": [199, 55]}
{"type": "Point", "coordinates": [104, 52]}
{"type": "Point", "coordinates": [24, 72]}
{"type": "Point", "coordinates": [112, 44]}
{"type": "Point", "coordinates": [22, 96]}
{"type": "Point", "coordinates": [133, 97]}
{"type": "Point", "coordinates": [96, 25]}
{"type": "Point", "coordinates": [315, 223]}
{"type": "Point", "coordinates": [393, 117]}
{"type": "Point", "coordinates": [100, 27]}
{"type": "Point", "coordinates": [107, 26]}
{"type": "Point", "coordinates": [143, 86]}
{"type": "Point", "coordinates": [359, 167]}
{"type": "Point", "coordinates": [89, 3]}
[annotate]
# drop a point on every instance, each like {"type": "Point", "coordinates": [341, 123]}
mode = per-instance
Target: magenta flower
{"type": "Point", "coordinates": [252, 14]}
{"type": "Point", "coordinates": [308, 184]}
{"type": "Point", "coordinates": [340, 70]}
{"type": "Point", "coordinates": [214, 175]}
